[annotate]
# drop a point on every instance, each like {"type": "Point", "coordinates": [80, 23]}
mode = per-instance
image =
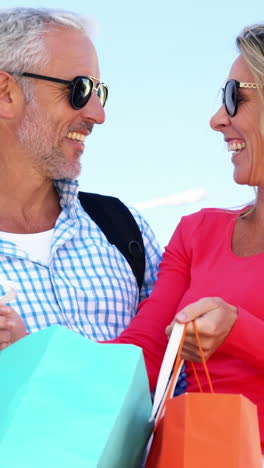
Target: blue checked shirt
{"type": "Point", "coordinates": [88, 286]}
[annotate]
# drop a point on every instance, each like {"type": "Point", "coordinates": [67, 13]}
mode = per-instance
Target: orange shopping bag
{"type": "Point", "coordinates": [204, 430]}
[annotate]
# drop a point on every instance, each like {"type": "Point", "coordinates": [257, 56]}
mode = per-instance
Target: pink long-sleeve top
{"type": "Point", "coordinates": [199, 262]}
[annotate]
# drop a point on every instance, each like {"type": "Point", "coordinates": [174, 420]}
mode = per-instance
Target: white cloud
{"type": "Point", "coordinates": [180, 198]}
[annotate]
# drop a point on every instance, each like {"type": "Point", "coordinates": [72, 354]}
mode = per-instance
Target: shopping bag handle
{"type": "Point", "coordinates": [203, 361]}
{"type": "Point", "coordinates": [175, 373]}
{"type": "Point", "coordinates": [166, 367]}
{"type": "Point", "coordinates": [171, 367]}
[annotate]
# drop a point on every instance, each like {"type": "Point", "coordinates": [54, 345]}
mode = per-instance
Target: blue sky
{"type": "Point", "coordinates": [164, 62]}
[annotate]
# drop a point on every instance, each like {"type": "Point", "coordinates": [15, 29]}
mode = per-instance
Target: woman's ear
{"type": "Point", "coordinates": [10, 96]}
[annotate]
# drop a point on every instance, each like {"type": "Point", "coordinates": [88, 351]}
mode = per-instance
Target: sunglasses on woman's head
{"type": "Point", "coordinates": [230, 98]}
{"type": "Point", "coordinates": [81, 88]}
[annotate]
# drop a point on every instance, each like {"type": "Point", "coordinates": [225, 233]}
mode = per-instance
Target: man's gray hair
{"type": "Point", "coordinates": [22, 45]}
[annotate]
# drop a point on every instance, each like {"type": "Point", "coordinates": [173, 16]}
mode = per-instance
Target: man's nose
{"type": "Point", "coordinates": [94, 111]}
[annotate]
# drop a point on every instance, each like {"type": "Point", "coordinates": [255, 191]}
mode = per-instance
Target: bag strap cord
{"type": "Point", "coordinates": [203, 361]}
{"type": "Point", "coordinates": [120, 228]}
{"type": "Point", "coordinates": [173, 362]}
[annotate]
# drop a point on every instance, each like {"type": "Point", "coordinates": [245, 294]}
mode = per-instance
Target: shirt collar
{"type": "Point", "coordinates": [67, 190]}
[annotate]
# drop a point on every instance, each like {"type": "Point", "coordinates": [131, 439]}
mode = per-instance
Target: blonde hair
{"type": "Point", "coordinates": [250, 43]}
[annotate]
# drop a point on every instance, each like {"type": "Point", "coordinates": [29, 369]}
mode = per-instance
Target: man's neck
{"type": "Point", "coordinates": [27, 207]}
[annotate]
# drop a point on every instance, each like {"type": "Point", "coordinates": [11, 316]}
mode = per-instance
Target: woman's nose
{"type": "Point", "coordinates": [220, 119]}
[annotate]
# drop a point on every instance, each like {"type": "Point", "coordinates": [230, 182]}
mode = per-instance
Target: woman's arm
{"type": "Point", "coordinates": [147, 329]}
{"type": "Point", "coordinates": [234, 330]}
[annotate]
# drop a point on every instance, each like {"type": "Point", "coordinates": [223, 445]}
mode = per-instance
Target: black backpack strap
{"type": "Point", "coordinates": [120, 228]}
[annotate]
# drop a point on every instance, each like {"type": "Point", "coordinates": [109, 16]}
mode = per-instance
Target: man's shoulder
{"type": "Point", "coordinates": [98, 201]}
{"type": "Point", "coordinates": [119, 226]}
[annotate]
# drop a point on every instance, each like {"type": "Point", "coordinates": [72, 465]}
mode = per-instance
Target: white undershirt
{"type": "Point", "coordinates": [36, 245]}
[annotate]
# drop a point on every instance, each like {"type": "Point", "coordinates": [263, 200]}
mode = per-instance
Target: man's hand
{"type": "Point", "coordinates": [214, 319]}
{"type": "Point", "coordinates": [12, 327]}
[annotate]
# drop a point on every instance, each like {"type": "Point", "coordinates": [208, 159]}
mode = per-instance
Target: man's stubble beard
{"type": "Point", "coordinates": [35, 133]}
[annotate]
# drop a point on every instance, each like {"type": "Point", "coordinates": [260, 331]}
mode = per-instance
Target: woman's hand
{"type": "Point", "coordinates": [12, 327]}
{"type": "Point", "coordinates": [214, 319]}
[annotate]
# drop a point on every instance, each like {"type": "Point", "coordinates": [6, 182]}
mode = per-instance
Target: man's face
{"type": "Point", "coordinates": [51, 130]}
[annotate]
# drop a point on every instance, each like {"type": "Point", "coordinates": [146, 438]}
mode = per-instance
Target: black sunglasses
{"type": "Point", "coordinates": [230, 98]}
{"type": "Point", "coordinates": [81, 88]}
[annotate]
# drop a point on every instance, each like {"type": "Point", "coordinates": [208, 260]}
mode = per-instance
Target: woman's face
{"type": "Point", "coordinates": [242, 132]}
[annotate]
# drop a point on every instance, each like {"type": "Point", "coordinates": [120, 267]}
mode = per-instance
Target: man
{"type": "Point", "coordinates": [51, 97]}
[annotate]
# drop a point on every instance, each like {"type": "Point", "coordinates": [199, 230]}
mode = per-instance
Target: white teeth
{"type": "Point", "coordinates": [76, 136]}
{"type": "Point", "coordinates": [236, 146]}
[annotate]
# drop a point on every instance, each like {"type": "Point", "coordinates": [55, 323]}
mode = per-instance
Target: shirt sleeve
{"type": "Point", "coordinates": [245, 340]}
{"type": "Point", "coordinates": [147, 329]}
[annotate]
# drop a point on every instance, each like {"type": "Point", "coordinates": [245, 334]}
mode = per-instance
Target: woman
{"type": "Point", "coordinates": [212, 269]}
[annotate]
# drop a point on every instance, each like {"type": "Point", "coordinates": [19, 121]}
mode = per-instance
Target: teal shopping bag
{"type": "Point", "coordinates": [68, 402]}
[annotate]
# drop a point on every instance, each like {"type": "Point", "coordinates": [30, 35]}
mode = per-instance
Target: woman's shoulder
{"type": "Point", "coordinates": [213, 215]}
{"type": "Point", "coordinates": [204, 227]}
{"type": "Point", "coordinates": [208, 221]}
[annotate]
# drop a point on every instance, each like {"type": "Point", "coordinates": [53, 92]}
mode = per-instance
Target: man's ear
{"type": "Point", "coordinates": [10, 96]}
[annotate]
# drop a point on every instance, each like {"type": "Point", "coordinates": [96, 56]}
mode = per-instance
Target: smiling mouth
{"type": "Point", "coordinates": [80, 137]}
{"type": "Point", "coordinates": [236, 146]}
